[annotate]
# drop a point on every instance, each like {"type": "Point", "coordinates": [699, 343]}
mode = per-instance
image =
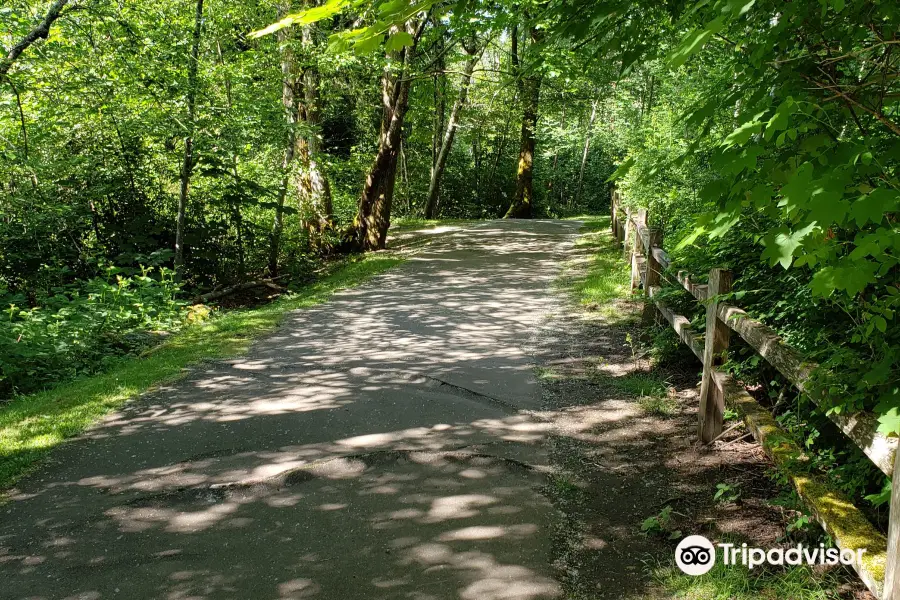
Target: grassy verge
{"type": "Point", "coordinates": [605, 277]}
{"type": "Point", "coordinates": [31, 426]}
{"type": "Point", "coordinates": [650, 390]}
{"type": "Point", "coordinates": [740, 583]}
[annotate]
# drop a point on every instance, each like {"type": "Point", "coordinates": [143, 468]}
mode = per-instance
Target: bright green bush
{"type": "Point", "coordinates": [81, 330]}
{"type": "Point", "coordinates": [748, 160]}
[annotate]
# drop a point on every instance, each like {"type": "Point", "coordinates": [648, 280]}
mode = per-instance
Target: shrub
{"type": "Point", "coordinates": [81, 330]}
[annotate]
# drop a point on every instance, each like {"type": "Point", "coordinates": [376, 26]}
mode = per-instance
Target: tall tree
{"type": "Point", "coordinates": [440, 162]}
{"type": "Point", "coordinates": [374, 210]}
{"type": "Point", "coordinates": [289, 84]}
{"type": "Point", "coordinates": [439, 83]}
{"type": "Point", "coordinates": [529, 83]}
{"type": "Point", "coordinates": [314, 186]}
{"type": "Point", "coordinates": [587, 147]}
{"type": "Point", "coordinates": [187, 167]}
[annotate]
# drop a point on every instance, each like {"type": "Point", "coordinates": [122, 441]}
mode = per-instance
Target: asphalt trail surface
{"type": "Point", "coordinates": [380, 446]}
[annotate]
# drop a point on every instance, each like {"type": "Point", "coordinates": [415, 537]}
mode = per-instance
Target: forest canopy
{"type": "Point", "coordinates": [154, 151]}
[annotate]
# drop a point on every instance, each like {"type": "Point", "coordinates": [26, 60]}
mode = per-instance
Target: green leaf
{"type": "Point", "coordinates": [399, 40]}
{"type": "Point", "coordinates": [882, 497]}
{"type": "Point", "coordinates": [852, 276]}
{"type": "Point", "coordinates": [701, 113]}
{"type": "Point", "coordinates": [889, 422]}
{"type": "Point", "coordinates": [691, 237]}
{"type": "Point", "coordinates": [368, 44]}
{"type": "Point", "coordinates": [761, 195]}
{"type": "Point", "coordinates": [337, 43]}
{"type": "Point", "coordinates": [304, 17]}
{"type": "Point", "coordinates": [738, 8]}
{"type": "Point", "coordinates": [694, 41]}
{"type": "Point", "coordinates": [872, 244]}
{"type": "Point", "coordinates": [392, 7]}
{"type": "Point", "coordinates": [826, 210]}
{"type": "Point", "coordinates": [779, 121]}
{"type": "Point", "coordinates": [798, 190]}
{"type": "Point", "coordinates": [781, 244]}
{"type": "Point", "coordinates": [742, 134]}
{"type": "Point", "coordinates": [622, 171]}
{"type": "Point", "coordinates": [872, 206]}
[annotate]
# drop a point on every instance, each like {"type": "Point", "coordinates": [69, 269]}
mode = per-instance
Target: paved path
{"type": "Point", "coordinates": [379, 446]}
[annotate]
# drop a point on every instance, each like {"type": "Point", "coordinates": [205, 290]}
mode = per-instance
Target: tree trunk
{"type": "Point", "coordinates": [187, 166]}
{"type": "Point", "coordinates": [529, 88]}
{"type": "Point", "coordinates": [437, 171]}
{"type": "Point", "coordinates": [554, 174]}
{"type": "Point", "coordinates": [289, 105]}
{"type": "Point", "coordinates": [587, 146]}
{"type": "Point", "coordinates": [317, 189]}
{"type": "Point", "coordinates": [522, 204]}
{"type": "Point", "coordinates": [374, 211]}
{"type": "Point", "coordinates": [404, 172]}
{"type": "Point", "coordinates": [440, 102]}
{"type": "Point", "coordinates": [237, 216]}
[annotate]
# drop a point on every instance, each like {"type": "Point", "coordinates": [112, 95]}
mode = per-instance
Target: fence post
{"type": "Point", "coordinates": [628, 228]}
{"type": "Point", "coordinates": [651, 275]}
{"type": "Point", "coordinates": [637, 248]}
{"type": "Point", "coordinates": [712, 399]}
{"type": "Point", "coordinates": [892, 568]}
{"type": "Point", "coordinates": [614, 223]}
{"type": "Point", "coordinates": [620, 229]}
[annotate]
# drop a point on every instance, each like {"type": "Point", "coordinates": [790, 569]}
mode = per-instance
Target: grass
{"type": "Point", "coordinates": [640, 384]}
{"type": "Point", "coordinates": [605, 275]}
{"type": "Point", "coordinates": [651, 391]}
{"type": "Point", "coordinates": [31, 426]}
{"type": "Point", "coordinates": [661, 406]}
{"type": "Point", "coordinates": [740, 583]}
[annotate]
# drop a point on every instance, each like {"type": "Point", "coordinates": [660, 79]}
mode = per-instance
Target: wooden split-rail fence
{"type": "Point", "coordinates": [880, 565]}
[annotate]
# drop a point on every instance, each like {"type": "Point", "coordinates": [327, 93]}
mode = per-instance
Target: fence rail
{"type": "Point", "coordinates": [880, 566]}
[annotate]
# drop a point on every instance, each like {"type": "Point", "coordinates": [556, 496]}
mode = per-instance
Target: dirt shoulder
{"type": "Point", "coordinates": [626, 457]}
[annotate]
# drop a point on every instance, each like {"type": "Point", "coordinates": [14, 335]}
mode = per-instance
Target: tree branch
{"type": "Point", "coordinates": [893, 127]}
{"type": "Point", "coordinates": [21, 117]}
{"type": "Point", "coordinates": [41, 31]}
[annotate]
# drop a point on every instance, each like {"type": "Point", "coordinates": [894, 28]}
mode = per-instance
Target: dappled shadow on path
{"type": "Point", "coordinates": [378, 446]}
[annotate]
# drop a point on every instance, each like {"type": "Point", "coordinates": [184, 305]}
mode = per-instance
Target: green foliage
{"type": "Point", "coordinates": [800, 524]}
{"type": "Point", "coordinates": [83, 329]}
{"type": "Point", "coordinates": [727, 493]}
{"type": "Point", "coordinates": [760, 135]}
{"type": "Point", "coordinates": [882, 497]}
{"type": "Point", "coordinates": [640, 384]}
{"type": "Point", "coordinates": [604, 278]}
{"type": "Point", "coordinates": [667, 349]}
{"type": "Point", "coordinates": [661, 524]}
{"type": "Point", "coordinates": [770, 147]}
{"type": "Point", "coordinates": [659, 405]}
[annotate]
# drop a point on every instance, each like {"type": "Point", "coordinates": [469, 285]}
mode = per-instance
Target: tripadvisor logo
{"type": "Point", "coordinates": [696, 555]}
